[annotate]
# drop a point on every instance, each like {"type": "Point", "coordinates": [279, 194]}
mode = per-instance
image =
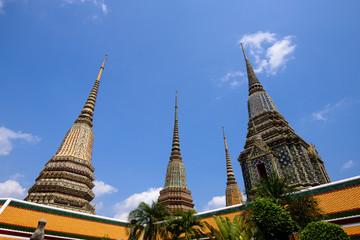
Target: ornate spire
{"type": "Point", "coordinates": [67, 178]}
{"type": "Point", "coordinates": [272, 146]}
{"type": "Point", "coordinates": [229, 169]}
{"type": "Point", "coordinates": [259, 101]}
{"type": "Point", "coordinates": [254, 84]}
{"type": "Point", "coordinates": [87, 113]}
{"type": "Point", "coordinates": [232, 192]}
{"type": "Point", "coordinates": [175, 194]}
{"type": "Point", "coordinates": [176, 142]}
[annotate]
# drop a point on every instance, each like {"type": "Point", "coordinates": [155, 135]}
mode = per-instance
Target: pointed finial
{"type": "Point", "coordinates": [87, 113]}
{"type": "Point", "coordinates": [229, 169]}
{"type": "Point", "coordinates": [242, 46]}
{"type": "Point", "coordinates": [101, 69]}
{"type": "Point", "coordinates": [176, 141]}
{"type": "Point", "coordinates": [176, 99]}
{"type": "Point", "coordinates": [224, 138]}
{"type": "Point", "coordinates": [254, 84]}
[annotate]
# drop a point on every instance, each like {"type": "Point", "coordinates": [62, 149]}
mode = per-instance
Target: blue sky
{"type": "Point", "coordinates": [305, 54]}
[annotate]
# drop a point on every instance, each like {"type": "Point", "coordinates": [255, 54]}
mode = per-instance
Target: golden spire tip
{"type": "Point", "coordinates": [242, 46]}
{"type": "Point", "coordinates": [175, 98]}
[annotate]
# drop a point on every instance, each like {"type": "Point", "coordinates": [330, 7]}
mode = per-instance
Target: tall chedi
{"type": "Point", "coordinates": [232, 193]}
{"type": "Point", "coordinates": [67, 178]}
{"type": "Point", "coordinates": [175, 194]}
{"type": "Point", "coordinates": [272, 146]}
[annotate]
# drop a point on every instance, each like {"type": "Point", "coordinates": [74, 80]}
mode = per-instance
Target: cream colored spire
{"type": "Point", "coordinates": [87, 113]}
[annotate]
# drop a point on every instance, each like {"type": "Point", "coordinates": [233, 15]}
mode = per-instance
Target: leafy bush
{"type": "Point", "coordinates": [303, 211]}
{"type": "Point", "coordinates": [274, 222]}
{"type": "Point", "coordinates": [323, 231]}
{"type": "Point", "coordinates": [238, 229]}
{"type": "Point", "coordinates": [185, 223]}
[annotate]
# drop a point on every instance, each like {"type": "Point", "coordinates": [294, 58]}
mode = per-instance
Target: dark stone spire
{"type": "Point", "coordinates": [175, 194]}
{"type": "Point", "coordinates": [254, 83]}
{"type": "Point", "coordinates": [272, 146]}
{"type": "Point", "coordinates": [259, 101]}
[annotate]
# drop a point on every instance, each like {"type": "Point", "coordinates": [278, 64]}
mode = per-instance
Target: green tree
{"type": "Point", "coordinates": [274, 187]}
{"type": "Point", "coordinates": [185, 223]}
{"type": "Point", "coordinates": [274, 222]}
{"type": "Point", "coordinates": [148, 220]}
{"type": "Point", "coordinates": [303, 210]}
{"type": "Point", "coordinates": [238, 229]}
{"type": "Point", "coordinates": [323, 231]}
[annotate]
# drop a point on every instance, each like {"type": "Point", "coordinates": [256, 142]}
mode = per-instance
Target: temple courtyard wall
{"type": "Point", "coordinates": [18, 219]}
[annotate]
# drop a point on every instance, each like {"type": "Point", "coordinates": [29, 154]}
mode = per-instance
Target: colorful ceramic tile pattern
{"type": "Point", "coordinates": [272, 146]}
{"type": "Point", "coordinates": [66, 180]}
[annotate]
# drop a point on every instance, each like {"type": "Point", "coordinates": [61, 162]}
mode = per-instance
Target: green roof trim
{"type": "Point", "coordinates": [305, 193]}
{"type": "Point", "coordinates": [224, 211]}
{"type": "Point", "coordinates": [355, 237]}
{"type": "Point", "coordinates": [326, 189]}
{"type": "Point", "coordinates": [2, 202]}
{"type": "Point", "coordinates": [343, 214]}
{"type": "Point", "coordinates": [65, 213]}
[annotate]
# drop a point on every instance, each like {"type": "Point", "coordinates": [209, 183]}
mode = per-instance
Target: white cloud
{"type": "Point", "coordinates": [7, 137]}
{"type": "Point", "coordinates": [12, 188]}
{"type": "Point", "coordinates": [325, 113]}
{"type": "Point", "coordinates": [348, 164]}
{"type": "Point", "coordinates": [123, 208]}
{"type": "Point", "coordinates": [104, 8]}
{"type": "Point", "coordinates": [99, 206]}
{"type": "Point", "coordinates": [1, 6]}
{"type": "Point", "coordinates": [215, 202]}
{"type": "Point", "coordinates": [98, 3]}
{"type": "Point", "coordinates": [16, 176]}
{"type": "Point", "coordinates": [234, 79]}
{"type": "Point", "coordinates": [74, 1]}
{"type": "Point", "coordinates": [102, 188]}
{"type": "Point", "coordinates": [256, 40]}
{"type": "Point", "coordinates": [270, 53]}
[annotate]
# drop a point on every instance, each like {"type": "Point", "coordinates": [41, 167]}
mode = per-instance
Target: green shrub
{"type": "Point", "coordinates": [274, 222]}
{"type": "Point", "coordinates": [323, 231]}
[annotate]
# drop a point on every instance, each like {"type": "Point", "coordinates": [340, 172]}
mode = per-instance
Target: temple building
{"type": "Point", "coordinates": [233, 192]}
{"type": "Point", "coordinates": [175, 194]}
{"type": "Point", "coordinates": [272, 146]}
{"type": "Point", "coordinates": [67, 178]}
{"type": "Point", "coordinates": [62, 193]}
